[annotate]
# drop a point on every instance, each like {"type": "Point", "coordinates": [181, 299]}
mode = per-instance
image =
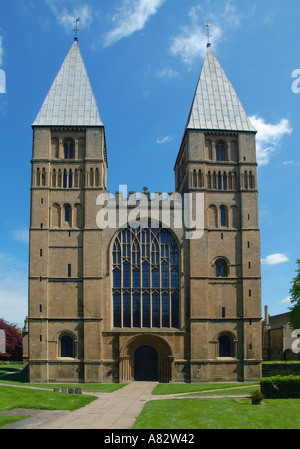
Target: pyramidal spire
{"type": "Point", "coordinates": [216, 105]}
{"type": "Point", "coordinates": [70, 100]}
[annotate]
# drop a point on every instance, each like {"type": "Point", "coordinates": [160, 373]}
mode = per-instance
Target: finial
{"type": "Point", "coordinates": [207, 34]}
{"type": "Point", "coordinates": [76, 29]}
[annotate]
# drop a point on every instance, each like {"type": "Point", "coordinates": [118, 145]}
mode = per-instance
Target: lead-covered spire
{"type": "Point", "coordinates": [216, 105]}
{"type": "Point", "coordinates": [70, 101]}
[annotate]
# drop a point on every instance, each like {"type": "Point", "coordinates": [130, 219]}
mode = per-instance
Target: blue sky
{"type": "Point", "coordinates": [144, 58]}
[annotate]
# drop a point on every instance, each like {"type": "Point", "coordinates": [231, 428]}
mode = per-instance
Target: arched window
{"type": "Point", "coordinates": [246, 181]}
{"type": "Point", "coordinates": [66, 346]}
{"type": "Point", "coordinates": [224, 181]}
{"type": "Point", "coordinates": [224, 216]}
{"type": "Point", "coordinates": [54, 178]}
{"type": "Point", "coordinates": [221, 151]}
{"type": "Point", "coordinates": [43, 177]}
{"type": "Point", "coordinates": [219, 181]}
{"type": "Point", "coordinates": [56, 216]}
{"type": "Point", "coordinates": [209, 180]}
{"type": "Point", "coordinates": [68, 214]}
{"type": "Point", "coordinates": [59, 176]}
{"type": "Point", "coordinates": [65, 179]}
{"type": "Point", "coordinates": [221, 268]}
{"type": "Point", "coordinates": [78, 216]}
{"type": "Point", "coordinates": [69, 149]}
{"type": "Point", "coordinates": [70, 179]}
{"type": "Point", "coordinates": [213, 216]}
{"type": "Point", "coordinates": [225, 346]}
{"type": "Point", "coordinates": [54, 148]}
{"type": "Point", "coordinates": [38, 177]}
{"type": "Point", "coordinates": [145, 264]}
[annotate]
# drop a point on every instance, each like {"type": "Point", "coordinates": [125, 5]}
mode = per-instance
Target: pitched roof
{"type": "Point", "coordinates": [216, 105]}
{"type": "Point", "coordinates": [277, 321]}
{"type": "Point", "coordinates": [70, 101]}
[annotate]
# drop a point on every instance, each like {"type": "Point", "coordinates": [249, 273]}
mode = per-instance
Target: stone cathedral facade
{"type": "Point", "coordinates": [144, 302]}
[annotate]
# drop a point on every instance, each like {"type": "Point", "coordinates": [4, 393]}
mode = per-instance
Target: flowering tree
{"type": "Point", "coordinates": [13, 337]}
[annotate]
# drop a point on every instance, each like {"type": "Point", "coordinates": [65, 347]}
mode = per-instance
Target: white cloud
{"type": "Point", "coordinates": [21, 235]}
{"type": "Point", "coordinates": [166, 73]}
{"type": "Point", "coordinates": [66, 17]}
{"type": "Point", "coordinates": [164, 139]}
{"type": "Point", "coordinates": [130, 17]}
{"type": "Point", "coordinates": [268, 137]}
{"type": "Point", "coordinates": [288, 162]}
{"type": "Point", "coordinates": [287, 299]}
{"type": "Point", "coordinates": [190, 43]}
{"type": "Point", "coordinates": [274, 259]}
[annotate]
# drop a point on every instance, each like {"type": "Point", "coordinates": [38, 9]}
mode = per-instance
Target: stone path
{"type": "Point", "coordinates": [117, 410]}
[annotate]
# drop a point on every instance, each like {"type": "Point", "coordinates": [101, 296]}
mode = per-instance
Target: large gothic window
{"type": "Point", "coordinates": [145, 278]}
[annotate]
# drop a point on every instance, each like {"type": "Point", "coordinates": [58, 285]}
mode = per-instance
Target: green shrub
{"type": "Point", "coordinates": [256, 397]}
{"type": "Point", "coordinates": [281, 387]}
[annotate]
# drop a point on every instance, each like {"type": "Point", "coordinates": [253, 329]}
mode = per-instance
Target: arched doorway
{"type": "Point", "coordinates": [145, 364]}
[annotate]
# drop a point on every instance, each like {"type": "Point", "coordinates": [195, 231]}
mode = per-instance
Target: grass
{"type": "Point", "coordinates": [225, 413]}
{"type": "Point", "coordinates": [13, 398]}
{"type": "Point", "coordinates": [284, 362]}
{"type": "Point", "coordinates": [228, 391]}
{"type": "Point", "coordinates": [187, 413]}
{"type": "Point", "coordinates": [22, 379]}
{"type": "Point", "coordinates": [11, 367]}
{"type": "Point", "coordinates": [162, 389]}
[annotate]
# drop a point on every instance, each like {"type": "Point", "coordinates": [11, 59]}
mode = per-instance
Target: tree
{"type": "Point", "coordinates": [295, 300]}
{"type": "Point", "coordinates": [14, 341]}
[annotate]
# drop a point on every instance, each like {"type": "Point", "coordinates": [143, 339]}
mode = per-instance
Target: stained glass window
{"type": "Point", "coordinates": [145, 279]}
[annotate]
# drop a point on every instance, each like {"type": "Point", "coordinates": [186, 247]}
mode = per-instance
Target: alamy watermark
{"type": "Point", "coordinates": [296, 83]}
{"type": "Point", "coordinates": [171, 210]}
{"type": "Point", "coordinates": [295, 347]}
{"type": "Point", "coordinates": [2, 342]}
{"type": "Point", "coordinates": [2, 82]}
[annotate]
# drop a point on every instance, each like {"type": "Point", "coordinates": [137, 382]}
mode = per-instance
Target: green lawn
{"type": "Point", "coordinates": [225, 413]}
{"type": "Point", "coordinates": [187, 413]}
{"type": "Point", "coordinates": [22, 379]}
{"type": "Point", "coordinates": [13, 366]}
{"type": "Point", "coordinates": [12, 398]}
{"type": "Point", "coordinates": [161, 389]}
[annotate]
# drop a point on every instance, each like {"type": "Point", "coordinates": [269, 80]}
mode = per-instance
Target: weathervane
{"type": "Point", "coordinates": [207, 34]}
{"type": "Point", "coordinates": [76, 29]}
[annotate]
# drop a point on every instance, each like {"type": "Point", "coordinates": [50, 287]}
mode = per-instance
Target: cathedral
{"type": "Point", "coordinates": [129, 287]}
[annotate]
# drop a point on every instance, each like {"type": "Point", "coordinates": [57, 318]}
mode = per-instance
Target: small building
{"type": "Point", "coordinates": [277, 337]}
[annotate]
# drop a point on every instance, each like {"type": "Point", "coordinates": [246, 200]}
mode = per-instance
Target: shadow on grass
{"type": "Point", "coordinates": [22, 379]}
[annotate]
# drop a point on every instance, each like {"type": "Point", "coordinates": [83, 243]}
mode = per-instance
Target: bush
{"type": "Point", "coordinates": [281, 387]}
{"type": "Point", "coordinates": [256, 397]}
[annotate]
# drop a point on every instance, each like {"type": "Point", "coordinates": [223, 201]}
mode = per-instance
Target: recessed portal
{"type": "Point", "coordinates": [145, 364]}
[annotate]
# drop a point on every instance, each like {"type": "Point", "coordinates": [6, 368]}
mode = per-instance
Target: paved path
{"type": "Point", "coordinates": [117, 410]}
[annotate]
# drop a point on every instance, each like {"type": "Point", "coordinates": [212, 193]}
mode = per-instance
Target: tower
{"type": "Point", "coordinates": [218, 157]}
{"type": "Point", "coordinates": [68, 171]}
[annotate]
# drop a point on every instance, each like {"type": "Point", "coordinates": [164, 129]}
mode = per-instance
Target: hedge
{"type": "Point", "coordinates": [280, 387]}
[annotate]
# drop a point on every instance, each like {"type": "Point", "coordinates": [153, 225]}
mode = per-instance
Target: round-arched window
{"type": "Point", "coordinates": [225, 346]}
{"type": "Point", "coordinates": [221, 268]}
{"type": "Point", "coordinates": [66, 346]}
